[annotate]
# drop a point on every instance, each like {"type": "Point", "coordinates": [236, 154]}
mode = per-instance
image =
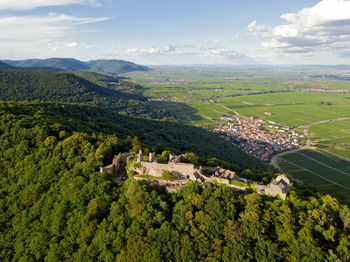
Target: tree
{"type": "Point", "coordinates": [136, 144]}
{"type": "Point", "coordinates": [134, 250]}
{"type": "Point", "coordinates": [231, 231]}
{"type": "Point", "coordinates": [166, 175]}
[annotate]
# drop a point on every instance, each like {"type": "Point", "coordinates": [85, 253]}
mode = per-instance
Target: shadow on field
{"type": "Point", "coordinates": [329, 159]}
{"type": "Point", "coordinates": [263, 105]}
{"type": "Point", "coordinates": [181, 110]}
{"type": "Point", "coordinates": [321, 146]}
{"type": "Point", "coordinates": [341, 170]}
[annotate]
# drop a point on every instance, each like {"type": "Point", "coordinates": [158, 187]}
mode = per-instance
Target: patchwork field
{"type": "Point", "coordinates": [329, 159]}
{"type": "Point", "coordinates": [332, 138]}
{"type": "Point", "coordinates": [201, 96]}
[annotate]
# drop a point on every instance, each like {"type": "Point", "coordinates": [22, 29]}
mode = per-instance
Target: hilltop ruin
{"type": "Point", "coordinates": [182, 173]}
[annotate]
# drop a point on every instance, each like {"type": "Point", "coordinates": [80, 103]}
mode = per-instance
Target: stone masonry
{"type": "Point", "coordinates": [182, 173]}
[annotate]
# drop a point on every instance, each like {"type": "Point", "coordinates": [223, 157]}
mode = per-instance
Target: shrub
{"type": "Point", "coordinates": [166, 175]}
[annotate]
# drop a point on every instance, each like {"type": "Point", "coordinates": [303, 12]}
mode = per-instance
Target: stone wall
{"type": "Point", "coordinates": [272, 190]}
{"type": "Point", "coordinates": [156, 169]}
{"type": "Point", "coordinates": [114, 167]}
{"type": "Point", "coordinates": [107, 168]}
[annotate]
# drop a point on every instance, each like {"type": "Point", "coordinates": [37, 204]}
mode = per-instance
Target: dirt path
{"type": "Point", "coordinates": [229, 109]}
{"type": "Point", "coordinates": [275, 158]}
{"type": "Point", "coordinates": [312, 172]}
{"type": "Point", "coordinates": [340, 171]}
{"type": "Point", "coordinates": [208, 118]}
{"type": "Point", "coordinates": [334, 154]}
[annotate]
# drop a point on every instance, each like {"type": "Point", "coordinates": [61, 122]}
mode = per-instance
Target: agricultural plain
{"type": "Point", "coordinates": [289, 97]}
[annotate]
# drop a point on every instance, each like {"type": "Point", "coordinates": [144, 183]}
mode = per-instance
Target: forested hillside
{"type": "Point", "coordinates": [109, 67]}
{"type": "Point", "coordinates": [112, 82]}
{"type": "Point", "coordinates": [56, 206]}
{"type": "Point", "coordinates": [114, 67]}
{"type": "Point", "coordinates": [5, 66]}
{"type": "Point", "coordinates": [67, 87]}
{"type": "Point", "coordinates": [156, 135]}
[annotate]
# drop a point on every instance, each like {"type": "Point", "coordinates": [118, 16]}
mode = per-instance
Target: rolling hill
{"type": "Point", "coordinates": [114, 67]}
{"type": "Point", "coordinates": [156, 135]}
{"type": "Point", "coordinates": [112, 82]}
{"type": "Point", "coordinates": [6, 66]}
{"type": "Point", "coordinates": [67, 87]}
{"type": "Point", "coordinates": [108, 67]}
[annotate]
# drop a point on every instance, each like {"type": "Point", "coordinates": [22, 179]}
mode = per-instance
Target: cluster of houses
{"type": "Point", "coordinates": [211, 101]}
{"type": "Point", "coordinates": [182, 173]}
{"type": "Point", "coordinates": [252, 136]}
{"type": "Point", "coordinates": [320, 90]}
{"type": "Point", "coordinates": [160, 98]}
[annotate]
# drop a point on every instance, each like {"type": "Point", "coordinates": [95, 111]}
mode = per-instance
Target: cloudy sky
{"type": "Point", "coordinates": [178, 32]}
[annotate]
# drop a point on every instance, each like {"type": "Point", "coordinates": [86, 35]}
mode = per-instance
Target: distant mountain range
{"type": "Point", "coordinates": [6, 66]}
{"type": "Point", "coordinates": [108, 67]}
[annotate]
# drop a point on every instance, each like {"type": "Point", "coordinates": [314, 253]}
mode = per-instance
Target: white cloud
{"type": "Point", "coordinates": [40, 28]}
{"type": "Point", "coordinates": [32, 4]}
{"type": "Point", "coordinates": [258, 30]}
{"type": "Point", "coordinates": [183, 54]}
{"type": "Point", "coordinates": [318, 28]}
{"type": "Point", "coordinates": [151, 51]}
{"type": "Point", "coordinates": [225, 54]}
{"type": "Point", "coordinates": [210, 41]}
{"type": "Point", "coordinates": [59, 46]}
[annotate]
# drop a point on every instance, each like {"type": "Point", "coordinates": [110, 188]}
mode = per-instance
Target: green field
{"type": "Point", "coordinates": [327, 173]}
{"type": "Point", "coordinates": [201, 96]}
{"type": "Point", "coordinates": [330, 158]}
{"type": "Point", "coordinates": [248, 93]}
{"type": "Point", "coordinates": [332, 138]}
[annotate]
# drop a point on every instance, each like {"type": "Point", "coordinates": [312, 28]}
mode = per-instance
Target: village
{"type": "Point", "coordinates": [256, 137]}
{"type": "Point", "coordinates": [176, 174]}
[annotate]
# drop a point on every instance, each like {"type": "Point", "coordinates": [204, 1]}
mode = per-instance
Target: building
{"type": "Point", "coordinates": [182, 173]}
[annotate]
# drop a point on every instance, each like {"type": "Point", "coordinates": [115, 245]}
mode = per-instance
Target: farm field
{"type": "Point", "coordinates": [330, 158]}
{"type": "Point", "coordinates": [327, 173]}
{"type": "Point", "coordinates": [212, 94]}
{"type": "Point", "coordinates": [201, 96]}
{"type": "Point", "coordinates": [332, 138]}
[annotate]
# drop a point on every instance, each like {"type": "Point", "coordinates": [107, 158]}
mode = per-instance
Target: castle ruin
{"type": "Point", "coordinates": [182, 173]}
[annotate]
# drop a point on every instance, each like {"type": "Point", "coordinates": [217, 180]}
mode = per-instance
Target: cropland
{"type": "Point", "coordinates": [308, 100]}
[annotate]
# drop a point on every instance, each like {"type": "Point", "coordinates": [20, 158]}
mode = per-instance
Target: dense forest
{"type": "Point", "coordinates": [116, 83]}
{"type": "Point", "coordinates": [154, 135]}
{"type": "Point", "coordinates": [68, 87]}
{"type": "Point", "coordinates": [56, 206]}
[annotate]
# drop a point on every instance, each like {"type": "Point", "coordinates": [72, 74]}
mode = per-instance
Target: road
{"type": "Point", "coordinates": [275, 158]}
{"type": "Point", "coordinates": [236, 113]}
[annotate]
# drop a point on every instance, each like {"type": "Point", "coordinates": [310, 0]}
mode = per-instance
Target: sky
{"type": "Point", "coordinates": [155, 32]}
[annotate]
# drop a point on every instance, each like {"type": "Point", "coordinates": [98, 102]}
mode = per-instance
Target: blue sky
{"type": "Point", "coordinates": [178, 32]}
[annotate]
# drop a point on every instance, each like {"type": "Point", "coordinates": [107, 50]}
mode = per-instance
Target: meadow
{"type": "Point", "coordinates": [200, 96]}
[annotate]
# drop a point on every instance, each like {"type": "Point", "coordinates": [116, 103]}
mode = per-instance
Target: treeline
{"type": "Point", "coordinates": [68, 87]}
{"type": "Point", "coordinates": [155, 135]}
{"type": "Point", "coordinates": [116, 83]}
{"type": "Point", "coordinates": [56, 206]}
{"type": "Point", "coordinates": [104, 66]}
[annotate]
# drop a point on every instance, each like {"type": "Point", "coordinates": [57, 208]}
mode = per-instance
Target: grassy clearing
{"type": "Point", "coordinates": [150, 177]}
